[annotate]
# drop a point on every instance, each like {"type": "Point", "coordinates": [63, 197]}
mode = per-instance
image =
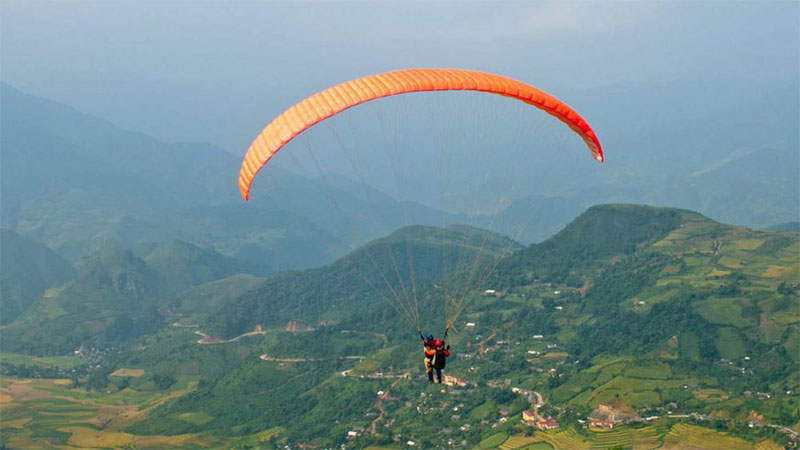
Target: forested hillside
{"type": "Point", "coordinates": [362, 281]}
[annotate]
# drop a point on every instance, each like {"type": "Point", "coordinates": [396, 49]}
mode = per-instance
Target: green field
{"type": "Point", "coordinates": [724, 311]}
{"type": "Point", "coordinates": [493, 441]}
{"type": "Point", "coordinates": [46, 361]}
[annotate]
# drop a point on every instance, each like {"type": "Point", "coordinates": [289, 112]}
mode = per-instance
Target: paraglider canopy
{"type": "Point", "coordinates": [336, 99]}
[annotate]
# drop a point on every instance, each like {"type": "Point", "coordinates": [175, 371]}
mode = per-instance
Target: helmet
{"type": "Point", "coordinates": [439, 342]}
{"type": "Point", "coordinates": [430, 337]}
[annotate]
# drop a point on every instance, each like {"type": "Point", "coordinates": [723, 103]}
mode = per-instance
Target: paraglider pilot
{"type": "Point", "coordinates": [439, 355]}
{"type": "Point", "coordinates": [435, 356]}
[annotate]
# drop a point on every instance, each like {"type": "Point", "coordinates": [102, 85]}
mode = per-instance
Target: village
{"type": "Point", "coordinates": [545, 357]}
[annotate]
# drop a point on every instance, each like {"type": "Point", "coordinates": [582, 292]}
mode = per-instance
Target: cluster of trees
{"type": "Point", "coordinates": [37, 371]}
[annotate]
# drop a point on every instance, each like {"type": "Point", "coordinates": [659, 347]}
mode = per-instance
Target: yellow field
{"type": "Point", "coordinates": [768, 445]}
{"type": "Point", "coordinates": [666, 242]}
{"type": "Point", "coordinates": [645, 438]}
{"type": "Point", "coordinates": [719, 273]}
{"type": "Point", "coordinates": [16, 423]}
{"type": "Point", "coordinates": [612, 438]}
{"type": "Point", "coordinates": [684, 436]}
{"type": "Point", "coordinates": [47, 414]}
{"type": "Point", "coordinates": [164, 441]}
{"type": "Point", "coordinates": [774, 271]}
{"type": "Point", "coordinates": [87, 437]}
{"type": "Point", "coordinates": [748, 244]}
{"type": "Point", "coordinates": [563, 439]}
{"type": "Point", "coordinates": [733, 263]}
{"type": "Point", "coordinates": [711, 395]}
{"type": "Point", "coordinates": [786, 318]}
{"type": "Point", "coordinates": [517, 441]}
{"type": "Point", "coordinates": [136, 373]}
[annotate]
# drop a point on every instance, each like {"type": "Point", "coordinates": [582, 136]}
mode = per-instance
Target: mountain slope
{"type": "Point", "coordinates": [195, 303]}
{"type": "Point", "coordinates": [360, 281]}
{"type": "Point", "coordinates": [27, 268]}
{"type": "Point", "coordinates": [114, 298]}
{"type": "Point", "coordinates": [183, 265]}
{"type": "Point", "coordinates": [600, 232]}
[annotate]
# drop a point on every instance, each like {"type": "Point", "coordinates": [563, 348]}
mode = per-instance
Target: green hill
{"type": "Point", "coordinates": [599, 233]}
{"type": "Point", "coordinates": [194, 304]}
{"type": "Point", "coordinates": [114, 298]}
{"type": "Point", "coordinates": [27, 268]}
{"type": "Point", "coordinates": [183, 265]}
{"type": "Point", "coordinates": [361, 281]}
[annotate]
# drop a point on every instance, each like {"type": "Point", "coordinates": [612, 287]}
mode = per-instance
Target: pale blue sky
{"type": "Point", "coordinates": [218, 71]}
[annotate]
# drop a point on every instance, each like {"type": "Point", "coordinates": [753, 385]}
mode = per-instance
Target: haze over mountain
{"type": "Point", "coordinates": [72, 181]}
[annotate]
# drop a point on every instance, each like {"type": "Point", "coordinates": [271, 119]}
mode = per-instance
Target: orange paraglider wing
{"type": "Point", "coordinates": [336, 99]}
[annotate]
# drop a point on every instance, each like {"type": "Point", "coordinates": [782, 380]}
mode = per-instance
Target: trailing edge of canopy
{"type": "Point", "coordinates": [336, 99]}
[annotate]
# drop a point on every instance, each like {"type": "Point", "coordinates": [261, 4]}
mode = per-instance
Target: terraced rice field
{"type": "Point", "coordinates": [768, 445]}
{"type": "Point", "coordinates": [39, 413]}
{"type": "Point", "coordinates": [566, 439]}
{"type": "Point", "coordinates": [647, 438]}
{"type": "Point", "coordinates": [515, 442]}
{"type": "Point", "coordinates": [622, 436]}
{"type": "Point", "coordinates": [684, 436]}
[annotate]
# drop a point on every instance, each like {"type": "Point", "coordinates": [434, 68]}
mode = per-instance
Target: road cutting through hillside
{"type": "Point", "coordinates": [206, 339]}
{"type": "Point", "coordinates": [266, 357]}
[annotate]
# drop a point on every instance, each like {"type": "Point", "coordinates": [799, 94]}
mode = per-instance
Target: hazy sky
{"type": "Point", "coordinates": [218, 71]}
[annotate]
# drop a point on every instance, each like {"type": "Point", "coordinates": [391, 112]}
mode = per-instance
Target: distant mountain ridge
{"type": "Point", "coordinates": [73, 181]}
{"type": "Point", "coordinates": [788, 226]}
